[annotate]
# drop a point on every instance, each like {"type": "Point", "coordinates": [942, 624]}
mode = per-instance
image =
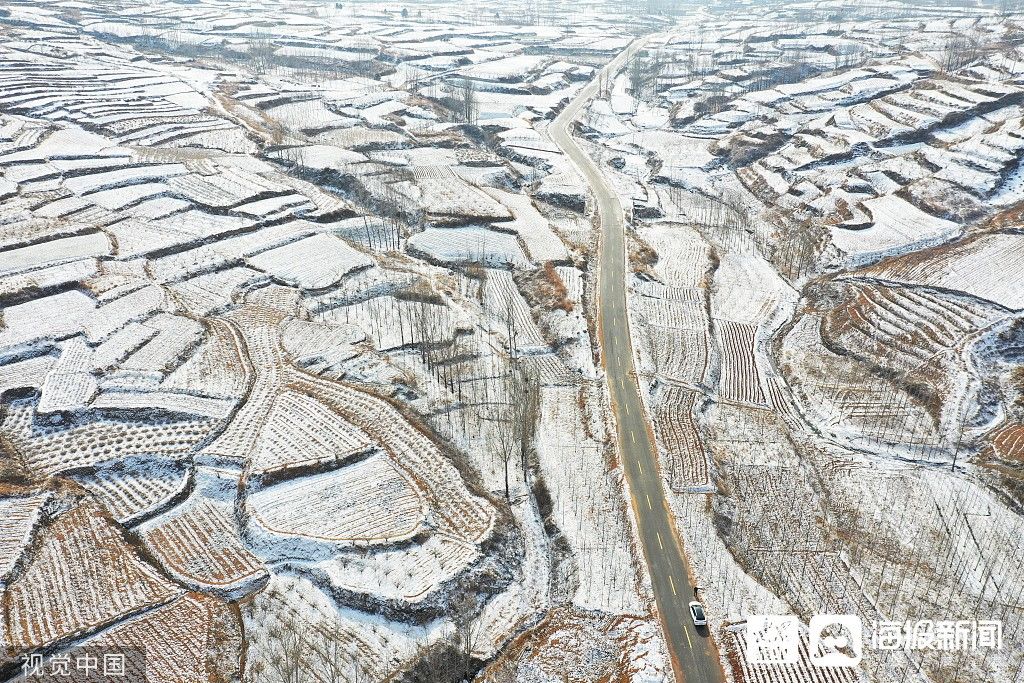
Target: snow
{"type": "Point", "coordinates": [175, 336]}
{"type": "Point", "coordinates": [506, 68]}
{"type": "Point", "coordinates": [20, 515]}
{"type": "Point", "coordinates": [112, 315]}
{"type": "Point", "coordinates": [321, 156]}
{"type": "Point", "coordinates": [502, 300]}
{"type": "Point", "coordinates": [541, 243]}
{"type": "Point", "coordinates": [53, 252]}
{"type": "Point", "coordinates": [897, 227]}
{"type": "Point", "coordinates": [69, 385]}
{"type": "Point", "coordinates": [259, 368]}
{"type": "Point", "coordinates": [365, 503]}
{"type": "Point", "coordinates": [469, 245]}
{"type": "Point", "coordinates": [315, 262]}
{"type": "Point", "coordinates": [172, 402]}
{"type": "Point", "coordinates": [94, 182]}
{"type": "Point", "coordinates": [308, 342]}
{"type": "Point", "coordinates": [984, 267]}
{"type": "Point", "coordinates": [34, 320]}
{"type": "Point", "coordinates": [446, 196]}
{"type": "Point", "coordinates": [368, 645]}
{"type": "Point", "coordinates": [588, 501]}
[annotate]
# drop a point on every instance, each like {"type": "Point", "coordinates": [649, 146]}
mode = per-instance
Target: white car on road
{"type": "Point", "coordinates": [697, 614]}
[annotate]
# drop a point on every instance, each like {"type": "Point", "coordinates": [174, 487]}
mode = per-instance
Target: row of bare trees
{"type": "Point", "coordinates": [293, 651]}
{"type": "Point", "coordinates": [643, 74]}
{"type": "Point", "coordinates": [462, 98]}
{"type": "Point", "coordinates": [960, 50]}
{"type": "Point", "coordinates": [516, 421]}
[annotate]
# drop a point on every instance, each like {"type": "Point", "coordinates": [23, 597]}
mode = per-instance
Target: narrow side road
{"type": "Point", "coordinates": [694, 659]}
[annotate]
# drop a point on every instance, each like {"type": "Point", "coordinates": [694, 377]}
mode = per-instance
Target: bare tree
{"type": "Point", "coordinates": [516, 422]}
{"type": "Point", "coordinates": [261, 52]}
{"type": "Point", "coordinates": [526, 401]}
{"type": "Point", "coordinates": [959, 51]}
{"type": "Point", "coordinates": [505, 435]}
{"type": "Point", "coordinates": [335, 664]}
{"type": "Point", "coordinates": [467, 630]}
{"type": "Point", "coordinates": [450, 660]}
{"type": "Point", "coordinates": [464, 94]}
{"type": "Point", "coordinates": [508, 317]}
{"type": "Point", "coordinates": [636, 76]}
{"type": "Point", "coordinates": [287, 659]}
{"type": "Point", "coordinates": [643, 74]}
{"type": "Point", "coordinates": [425, 323]}
{"type": "Point", "coordinates": [293, 156]}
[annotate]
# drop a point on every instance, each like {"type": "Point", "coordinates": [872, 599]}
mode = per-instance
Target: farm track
{"type": "Point", "coordinates": [694, 657]}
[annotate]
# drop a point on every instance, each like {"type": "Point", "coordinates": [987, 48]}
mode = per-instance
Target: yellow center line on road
{"type": "Point", "coordinates": [649, 506]}
{"type": "Point", "coordinates": [660, 544]}
{"type": "Point", "coordinates": [632, 435]}
{"type": "Point", "coordinates": [640, 467]}
{"type": "Point", "coordinates": [673, 582]}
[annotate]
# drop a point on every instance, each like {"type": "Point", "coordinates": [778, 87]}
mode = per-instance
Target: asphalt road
{"type": "Point", "coordinates": [694, 657]}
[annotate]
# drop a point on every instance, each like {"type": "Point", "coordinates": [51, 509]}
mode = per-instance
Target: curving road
{"type": "Point", "coordinates": [694, 658]}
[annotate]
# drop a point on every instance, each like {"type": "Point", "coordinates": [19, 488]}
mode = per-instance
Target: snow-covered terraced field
{"type": "Point", "coordinates": [450, 246]}
{"type": "Point", "coordinates": [49, 450]}
{"type": "Point", "coordinates": [393, 323]}
{"type": "Point", "coordinates": [198, 544]}
{"type": "Point", "coordinates": [301, 432]}
{"type": "Point", "coordinates": [190, 638]}
{"type": "Point", "coordinates": [446, 197]}
{"type": "Point", "coordinates": [353, 644]}
{"type": "Point", "coordinates": [984, 267]}
{"type": "Point", "coordinates": [84, 550]}
{"type": "Point", "coordinates": [541, 243]}
{"type": "Point", "coordinates": [460, 513]}
{"type": "Point", "coordinates": [316, 262]}
{"type": "Point", "coordinates": [740, 380]}
{"type": "Point", "coordinates": [506, 306]}
{"type": "Point", "coordinates": [365, 503]}
{"type": "Point", "coordinates": [672, 414]}
{"type": "Point", "coordinates": [21, 515]}
{"type": "Point", "coordinates": [136, 487]}
{"type": "Point", "coordinates": [897, 227]}
{"type": "Point", "coordinates": [677, 334]}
